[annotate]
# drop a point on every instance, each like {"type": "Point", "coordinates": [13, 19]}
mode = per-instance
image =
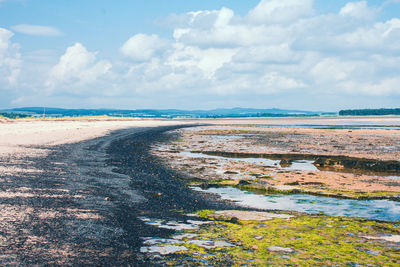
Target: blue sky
{"type": "Point", "coordinates": [296, 54]}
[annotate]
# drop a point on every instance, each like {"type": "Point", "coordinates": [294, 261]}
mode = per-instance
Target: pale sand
{"type": "Point", "coordinates": [16, 135]}
{"type": "Point", "coordinates": [33, 138]}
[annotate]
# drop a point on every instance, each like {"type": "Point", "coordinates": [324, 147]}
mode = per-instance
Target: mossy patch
{"type": "Point", "coordinates": [316, 240]}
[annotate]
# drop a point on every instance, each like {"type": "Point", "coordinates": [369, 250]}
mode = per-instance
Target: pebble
{"type": "Point", "coordinates": [281, 249]}
{"type": "Point", "coordinates": [208, 244]}
{"type": "Point", "coordinates": [249, 215]}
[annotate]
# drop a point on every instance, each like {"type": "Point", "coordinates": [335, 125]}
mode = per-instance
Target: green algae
{"type": "Point", "coordinates": [316, 240]}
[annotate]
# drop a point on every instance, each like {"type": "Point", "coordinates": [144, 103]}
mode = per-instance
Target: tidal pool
{"type": "Point", "coordinates": [385, 210]}
{"type": "Point", "coordinates": [292, 165]}
{"type": "Point", "coordinates": [295, 165]}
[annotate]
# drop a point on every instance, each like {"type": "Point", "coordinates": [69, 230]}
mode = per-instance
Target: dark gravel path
{"type": "Point", "coordinates": [83, 208]}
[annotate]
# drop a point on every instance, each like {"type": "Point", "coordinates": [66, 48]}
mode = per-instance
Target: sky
{"type": "Point", "coordinates": [322, 55]}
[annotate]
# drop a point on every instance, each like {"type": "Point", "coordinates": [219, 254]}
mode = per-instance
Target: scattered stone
{"type": "Point", "coordinates": [390, 238]}
{"type": "Point", "coordinates": [173, 225]}
{"type": "Point", "coordinates": [281, 249]}
{"type": "Point", "coordinates": [249, 215]}
{"type": "Point", "coordinates": [208, 244]}
{"type": "Point", "coordinates": [163, 250]}
{"type": "Point", "coordinates": [258, 237]}
{"type": "Point", "coordinates": [155, 241]}
{"type": "Point", "coordinates": [184, 236]}
{"type": "Point", "coordinates": [199, 222]}
{"type": "Point", "coordinates": [179, 226]}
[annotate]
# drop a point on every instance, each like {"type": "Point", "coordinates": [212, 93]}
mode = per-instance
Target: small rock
{"type": "Point", "coordinates": [184, 236]}
{"type": "Point", "coordinates": [249, 215]}
{"type": "Point", "coordinates": [281, 249]}
{"type": "Point", "coordinates": [199, 222]}
{"type": "Point", "coordinates": [390, 238]}
{"type": "Point", "coordinates": [258, 237]}
{"type": "Point", "coordinates": [208, 244]}
{"type": "Point", "coordinates": [163, 250]}
{"type": "Point", "coordinates": [156, 241]}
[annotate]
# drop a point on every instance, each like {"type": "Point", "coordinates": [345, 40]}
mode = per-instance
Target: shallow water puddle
{"type": "Point", "coordinates": [173, 225]}
{"type": "Point", "coordinates": [164, 246]}
{"type": "Point", "coordinates": [291, 165]}
{"type": "Point", "coordinates": [370, 209]}
{"type": "Point", "coordinates": [295, 165]}
{"type": "Point", "coordinates": [226, 137]}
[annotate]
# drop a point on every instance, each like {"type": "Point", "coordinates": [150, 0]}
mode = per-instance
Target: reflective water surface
{"type": "Point", "coordinates": [386, 210]}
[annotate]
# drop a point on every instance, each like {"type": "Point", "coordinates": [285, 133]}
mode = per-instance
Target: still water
{"type": "Point", "coordinates": [385, 210]}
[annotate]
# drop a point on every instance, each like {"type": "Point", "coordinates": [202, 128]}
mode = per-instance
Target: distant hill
{"type": "Point", "coordinates": [366, 112]}
{"type": "Point", "coordinates": [165, 113]}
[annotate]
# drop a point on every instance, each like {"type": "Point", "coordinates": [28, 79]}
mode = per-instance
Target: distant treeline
{"type": "Point", "coordinates": [277, 115]}
{"type": "Point", "coordinates": [13, 115]}
{"type": "Point", "coordinates": [364, 112]}
{"type": "Point", "coordinates": [166, 113]}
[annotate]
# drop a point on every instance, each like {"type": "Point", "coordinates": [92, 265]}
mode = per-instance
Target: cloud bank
{"type": "Point", "coordinates": [279, 48]}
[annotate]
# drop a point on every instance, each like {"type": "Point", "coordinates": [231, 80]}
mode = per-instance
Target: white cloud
{"type": "Point", "coordinates": [280, 11]}
{"type": "Point", "coordinates": [281, 53]}
{"type": "Point", "coordinates": [358, 10]}
{"type": "Point", "coordinates": [77, 68]}
{"type": "Point", "coordinates": [36, 30]}
{"type": "Point", "coordinates": [142, 47]}
{"type": "Point", "coordinates": [10, 61]}
{"type": "Point", "coordinates": [220, 28]}
{"type": "Point", "coordinates": [207, 60]}
{"type": "Point", "coordinates": [379, 37]}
